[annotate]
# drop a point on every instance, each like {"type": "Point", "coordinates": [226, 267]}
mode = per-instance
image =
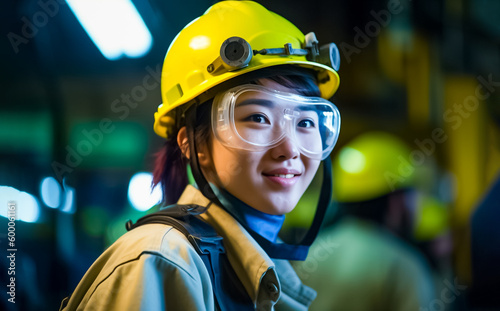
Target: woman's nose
{"type": "Point", "coordinates": [286, 149]}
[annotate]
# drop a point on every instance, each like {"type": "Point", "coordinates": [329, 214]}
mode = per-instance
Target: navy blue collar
{"type": "Point", "coordinates": [263, 227]}
{"type": "Point", "coordinates": [266, 225]}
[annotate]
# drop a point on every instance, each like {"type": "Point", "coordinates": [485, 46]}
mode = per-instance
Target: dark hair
{"type": "Point", "coordinates": [170, 169]}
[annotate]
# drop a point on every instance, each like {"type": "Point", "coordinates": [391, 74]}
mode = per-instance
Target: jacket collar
{"type": "Point", "coordinates": [250, 262]}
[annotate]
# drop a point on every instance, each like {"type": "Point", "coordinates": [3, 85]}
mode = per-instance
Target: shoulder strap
{"type": "Point", "coordinates": [182, 217]}
{"type": "Point", "coordinates": [207, 243]}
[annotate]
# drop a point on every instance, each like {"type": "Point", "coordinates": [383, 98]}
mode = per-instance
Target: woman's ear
{"type": "Point", "coordinates": [203, 156]}
{"type": "Point", "coordinates": [182, 141]}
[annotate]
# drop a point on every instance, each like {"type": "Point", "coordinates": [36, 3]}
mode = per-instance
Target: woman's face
{"type": "Point", "coordinates": [271, 181]}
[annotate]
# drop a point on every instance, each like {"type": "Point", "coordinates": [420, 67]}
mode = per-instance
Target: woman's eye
{"type": "Point", "coordinates": [258, 118]}
{"type": "Point", "coordinates": [306, 123]}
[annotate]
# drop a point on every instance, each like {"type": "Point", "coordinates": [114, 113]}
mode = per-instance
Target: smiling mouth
{"type": "Point", "coordinates": [283, 175]}
{"type": "Point", "coordinates": [283, 180]}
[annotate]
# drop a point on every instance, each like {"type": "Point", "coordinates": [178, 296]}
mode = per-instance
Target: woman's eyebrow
{"type": "Point", "coordinates": [306, 108]}
{"type": "Point", "coordinates": [256, 101]}
{"type": "Point", "coordinates": [270, 104]}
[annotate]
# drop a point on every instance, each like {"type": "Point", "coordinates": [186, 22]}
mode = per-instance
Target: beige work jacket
{"type": "Point", "coordinates": [154, 267]}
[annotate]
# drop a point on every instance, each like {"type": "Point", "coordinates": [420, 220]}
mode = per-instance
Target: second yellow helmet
{"type": "Point", "coordinates": [372, 165]}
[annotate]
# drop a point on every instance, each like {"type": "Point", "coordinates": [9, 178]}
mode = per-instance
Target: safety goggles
{"type": "Point", "coordinates": [255, 118]}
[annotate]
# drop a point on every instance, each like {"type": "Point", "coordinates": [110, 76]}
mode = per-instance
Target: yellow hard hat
{"type": "Point", "coordinates": [230, 39]}
{"type": "Point", "coordinates": [370, 166]}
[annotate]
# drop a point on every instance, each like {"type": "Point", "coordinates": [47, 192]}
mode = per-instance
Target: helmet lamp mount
{"type": "Point", "coordinates": [236, 53]}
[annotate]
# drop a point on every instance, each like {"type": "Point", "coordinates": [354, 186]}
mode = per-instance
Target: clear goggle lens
{"type": "Point", "coordinates": [255, 118]}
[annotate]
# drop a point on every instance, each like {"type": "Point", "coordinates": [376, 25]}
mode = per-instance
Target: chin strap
{"type": "Point", "coordinates": [199, 178]}
{"type": "Point", "coordinates": [295, 251]}
{"type": "Point", "coordinates": [324, 201]}
{"type": "Point", "coordinates": [298, 251]}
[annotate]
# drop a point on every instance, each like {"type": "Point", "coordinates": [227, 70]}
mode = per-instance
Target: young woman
{"type": "Point", "coordinates": [244, 104]}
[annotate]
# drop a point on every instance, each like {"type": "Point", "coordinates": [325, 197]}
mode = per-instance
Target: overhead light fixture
{"type": "Point", "coordinates": [115, 27]}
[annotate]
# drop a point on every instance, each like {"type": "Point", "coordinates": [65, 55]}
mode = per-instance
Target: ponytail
{"type": "Point", "coordinates": [170, 171]}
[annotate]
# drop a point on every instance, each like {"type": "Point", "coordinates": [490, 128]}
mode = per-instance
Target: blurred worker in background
{"type": "Point", "coordinates": [362, 261]}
